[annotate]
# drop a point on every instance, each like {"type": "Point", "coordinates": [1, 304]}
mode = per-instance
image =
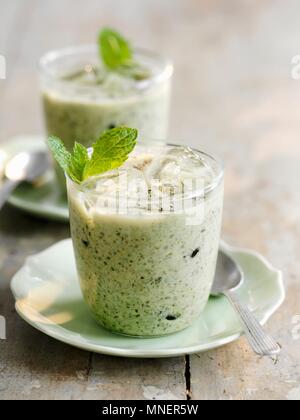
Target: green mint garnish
{"type": "Point", "coordinates": [114, 49]}
{"type": "Point", "coordinates": [78, 162]}
{"type": "Point", "coordinates": [110, 151]}
{"type": "Point", "coordinates": [117, 55]}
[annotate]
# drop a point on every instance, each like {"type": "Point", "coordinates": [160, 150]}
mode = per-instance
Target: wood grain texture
{"type": "Point", "coordinates": [233, 95]}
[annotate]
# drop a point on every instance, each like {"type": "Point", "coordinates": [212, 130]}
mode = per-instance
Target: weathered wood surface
{"type": "Point", "coordinates": [233, 95]}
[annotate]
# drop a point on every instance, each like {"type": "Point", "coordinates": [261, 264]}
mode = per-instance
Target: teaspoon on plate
{"type": "Point", "coordinates": [228, 278]}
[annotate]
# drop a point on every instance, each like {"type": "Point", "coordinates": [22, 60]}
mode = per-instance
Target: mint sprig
{"type": "Point", "coordinates": [117, 55]}
{"type": "Point", "coordinates": [78, 162]}
{"type": "Point", "coordinates": [115, 50]}
{"type": "Point", "coordinates": [110, 151]}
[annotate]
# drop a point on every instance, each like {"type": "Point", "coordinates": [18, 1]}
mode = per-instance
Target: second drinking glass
{"type": "Point", "coordinates": [79, 104]}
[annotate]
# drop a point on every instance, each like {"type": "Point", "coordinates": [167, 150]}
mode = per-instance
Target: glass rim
{"type": "Point", "coordinates": [53, 55]}
{"type": "Point", "coordinates": [208, 189]}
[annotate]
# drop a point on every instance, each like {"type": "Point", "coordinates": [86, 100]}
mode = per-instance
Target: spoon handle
{"type": "Point", "coordinates": [261, 343]}
{"type": "Point", "coordinates": [6, 189]}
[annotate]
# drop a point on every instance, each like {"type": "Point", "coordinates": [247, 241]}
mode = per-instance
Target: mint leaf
{"type": "Point", "coordinates": [59, 152]}
{"type": "Point", "coordinates": [117, 55]}
{"type": "Point", "coordinates": [114, 49]}
{"type": "Point", "coordinates": [78, 162]}
{"type": "Point", "coordinates": [111, 151]}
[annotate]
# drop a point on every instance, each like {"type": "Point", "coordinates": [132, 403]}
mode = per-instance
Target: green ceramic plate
{"type": "Point", "coordinates": [48, 297]}
{"type": "Point", "coordinates": [44, 200]}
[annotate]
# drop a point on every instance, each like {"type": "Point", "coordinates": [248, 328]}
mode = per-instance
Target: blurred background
{"type": "Point", "coordinates": [232, 58]}
{"type": "Point", "coordinates": [234, 95]}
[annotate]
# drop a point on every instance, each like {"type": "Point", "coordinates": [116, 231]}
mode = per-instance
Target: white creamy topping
{"type": "Point", "coordinates": [96, 83]}
{"type": "Point", "coordinates": [153, 177]}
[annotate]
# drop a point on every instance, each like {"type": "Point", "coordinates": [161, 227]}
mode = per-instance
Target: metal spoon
{"type": "Point", "coordinates": [23, 167]}
{"type": "Point", "coordinates": [228, 278]}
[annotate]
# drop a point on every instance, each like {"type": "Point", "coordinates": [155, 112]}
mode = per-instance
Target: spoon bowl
{"type": "Point", "coordinates": [27, 167]}
{"type": "Point", "coordinates": [23, 167]}
{"type": "Point", "coordinates": [228, 275]}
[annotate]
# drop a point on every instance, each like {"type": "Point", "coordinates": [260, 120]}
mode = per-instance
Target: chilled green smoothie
{"type": "Point", "coordinates": [81, 99]}
{"type": "Point", "coordinates": [114, 102]}
{"type": "Point", "coordinates": [148, 271]}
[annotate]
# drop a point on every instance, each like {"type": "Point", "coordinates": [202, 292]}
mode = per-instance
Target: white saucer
{"type": "Point", "coordinates": [48, 297]}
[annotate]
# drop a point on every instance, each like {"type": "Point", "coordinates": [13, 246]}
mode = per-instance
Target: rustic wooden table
{"type": "Point", "coordinates": [234, 95]}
